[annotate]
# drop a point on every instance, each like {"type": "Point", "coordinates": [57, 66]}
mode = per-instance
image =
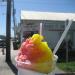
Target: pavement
{"type": "Point", "coordinates": [4, 68]}
{"type": "Point", "coordinates": [10, 68]}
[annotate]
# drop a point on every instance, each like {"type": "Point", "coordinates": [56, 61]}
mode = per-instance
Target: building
{"type": "Point", "coordinates": [53, 25]}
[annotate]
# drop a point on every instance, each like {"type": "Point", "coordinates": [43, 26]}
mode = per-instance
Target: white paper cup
{"type": "Point", "coordinates": [28, 71]}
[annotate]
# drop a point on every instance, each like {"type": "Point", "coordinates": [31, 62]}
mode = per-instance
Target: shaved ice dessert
{"type": "Point", "coordinates": [34, 54]}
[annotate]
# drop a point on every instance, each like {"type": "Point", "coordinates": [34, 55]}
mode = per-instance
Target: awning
{"type": "Point", "coordinates": [36, 15]}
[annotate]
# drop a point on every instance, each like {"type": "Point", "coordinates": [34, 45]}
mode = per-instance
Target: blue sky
{"type": "Point", "coordinates": [67, 6]}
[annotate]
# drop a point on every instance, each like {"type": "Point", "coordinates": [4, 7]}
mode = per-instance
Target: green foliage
{"type": "Point", "coordinates": [67, 67]}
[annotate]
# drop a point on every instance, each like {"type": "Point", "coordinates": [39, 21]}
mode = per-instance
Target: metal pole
{"type": "Point", "coordinates": [66, 23]}
{"type": "Point", "coordinates": [62, 37]}
{"type": "Point", "coordinates": [14, 11]}
{"type": "Point", "coordinates": [8, 31]}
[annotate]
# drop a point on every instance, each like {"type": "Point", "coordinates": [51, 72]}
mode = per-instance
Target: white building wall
{"type": "Point", "coordinates": [51, 37]}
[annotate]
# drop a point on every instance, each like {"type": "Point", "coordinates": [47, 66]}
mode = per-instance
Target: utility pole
{"type": "Point", "coordinates": [14, 20]}
{"type": "Point", "coordinates": [8, 31]}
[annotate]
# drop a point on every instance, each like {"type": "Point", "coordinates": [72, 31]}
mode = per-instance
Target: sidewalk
{"type": "Point", "coordinates": [5, 69]}
{"type": "Point", "coordinates": [8, 68]}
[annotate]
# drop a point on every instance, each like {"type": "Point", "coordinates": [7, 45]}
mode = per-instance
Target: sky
{"type": "Point", "coordinates": [67, 6]}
